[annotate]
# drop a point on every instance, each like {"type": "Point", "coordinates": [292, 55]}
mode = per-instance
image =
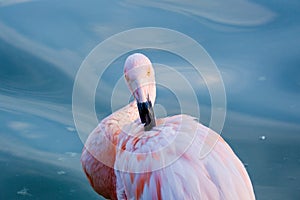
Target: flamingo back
{"type": "Point", "coordinates": [165, 163]}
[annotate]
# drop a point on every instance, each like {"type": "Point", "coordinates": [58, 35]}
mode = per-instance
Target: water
{"type": "Point", "coordinates": [42, 44]}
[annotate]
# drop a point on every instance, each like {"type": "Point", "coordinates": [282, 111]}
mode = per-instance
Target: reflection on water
{"type": "Point", "coordinates": [42, 44]}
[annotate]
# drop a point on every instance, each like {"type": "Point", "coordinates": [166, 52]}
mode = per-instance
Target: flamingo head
{"type": "Point", "coordinates": [140, 79]}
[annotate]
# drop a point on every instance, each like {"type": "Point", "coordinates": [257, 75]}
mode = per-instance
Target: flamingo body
{"type": "Point", "coordinates": [123, 161]}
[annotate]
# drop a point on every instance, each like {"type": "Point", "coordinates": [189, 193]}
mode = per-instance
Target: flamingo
{"type": "Point", "coordinates": [133, 155]}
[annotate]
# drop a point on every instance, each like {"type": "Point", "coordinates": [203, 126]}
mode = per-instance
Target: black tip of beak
{"type": "Point", "coordinates": [147, 114]}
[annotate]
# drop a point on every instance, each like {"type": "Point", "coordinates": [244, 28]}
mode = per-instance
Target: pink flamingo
{"type": "Point", "coordinates": [132, 155]}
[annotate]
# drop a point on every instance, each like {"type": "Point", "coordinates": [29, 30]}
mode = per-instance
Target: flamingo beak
{"type": "Point", "coordinates": [147, 114]}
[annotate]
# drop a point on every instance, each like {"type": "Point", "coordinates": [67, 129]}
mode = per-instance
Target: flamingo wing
{"type": "Point", "coordinates": [97, 162]}
{"type": "Point", "coordinates": [165, 164]}
{"type": "Point", "coordinates": [98, 155]}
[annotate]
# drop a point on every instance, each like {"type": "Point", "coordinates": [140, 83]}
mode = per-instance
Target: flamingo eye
{"type": "Point", "coordinates": [126, 77]}
{"type": "Point", "coordinates": [148, 72]}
